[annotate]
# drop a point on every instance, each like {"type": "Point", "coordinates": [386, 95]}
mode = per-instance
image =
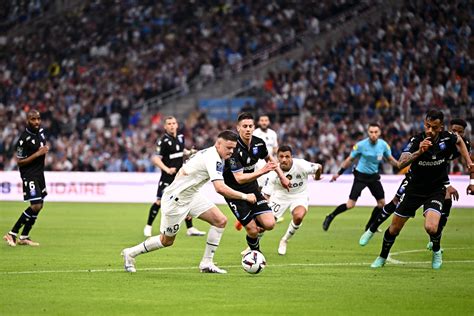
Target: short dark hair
{"type": "Point", "coordinates": [284, 148]}
{"type": "Point", "coordinates": [458, 121]}
{"type": "Point", "coordinates": [374, 124]}
{"type": "Point", "coordinates": [245, 116]}
{"type": "Point", "coordinates": [228, 135]}
{"type": "Point", "coordinates": [433, 115]}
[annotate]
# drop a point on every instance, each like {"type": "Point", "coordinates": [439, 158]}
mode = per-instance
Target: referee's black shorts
{"type": "Point", "coordinates": [363, 180]}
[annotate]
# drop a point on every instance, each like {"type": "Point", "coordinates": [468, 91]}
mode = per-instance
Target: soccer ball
{"type": "Point", "coordinates": [253, 262]}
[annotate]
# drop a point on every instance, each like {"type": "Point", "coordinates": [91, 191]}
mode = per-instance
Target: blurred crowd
{"type": "Point", "coordinates": [84, 82]}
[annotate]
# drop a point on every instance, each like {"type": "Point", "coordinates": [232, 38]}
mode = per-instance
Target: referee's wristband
{"type": "Point", "coordinates": [244, 196]}
{"type": "Point", "coordinates": [341, 171]}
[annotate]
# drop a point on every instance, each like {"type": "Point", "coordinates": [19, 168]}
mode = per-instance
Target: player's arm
{"type": "Point", "coordinates": [230, 193]}
{"type": "Point", "coordinates": [189, 152]}
{"type": "Point", "coordinates": [242, 177]}
{"type": "Point", "coordinates": [461, 146]}
{"type": "Point", "coordinates": [318, 172]}
{"type": "Point", "coordinates": [391, 160]}
{"type": "Point", "coordinates": [160, 164]}
{"type": "Point", "coordinates": [407, 157]}
{"type": "Point", "coordinates": [26, 161]}
{"type": "Point", "coordinates": [345, 164]}
{"type": "Point", "coordinates": [285, 182]}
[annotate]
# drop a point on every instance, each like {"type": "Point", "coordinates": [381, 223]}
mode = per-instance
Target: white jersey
{"type": "Point", "coordinates": [203, 166]}
{"type": "Point", "coordinates": [298, 176]}
{"type": "Point", "coordinates": [269, 137]}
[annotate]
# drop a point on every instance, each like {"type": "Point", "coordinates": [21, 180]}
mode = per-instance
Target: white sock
{"type": "Point", "coordinates": [292, 228]}
{"type": "Point", "coordinates": [151, 244]}
{"type": "Point", "coordinates": [213, 239]}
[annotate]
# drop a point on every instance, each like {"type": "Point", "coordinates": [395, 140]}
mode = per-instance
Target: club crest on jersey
{"type": "Point", "coordinates": [219, 166]}
{"type": "Point", "coordinates": [442, 146]}
{"type": "Point", "coordinates": [255, 150]}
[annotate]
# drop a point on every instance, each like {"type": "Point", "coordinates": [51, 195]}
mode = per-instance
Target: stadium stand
{"type": "Point", "coordinates": [86, 69]}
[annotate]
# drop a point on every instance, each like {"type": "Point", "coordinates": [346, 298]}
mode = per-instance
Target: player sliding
{"type": "Point", "coordinates": [182, 198]}
{"type": "Point", "coordinates": [428, 153]}
{"type": "Point", "coordinates": [296, 200]}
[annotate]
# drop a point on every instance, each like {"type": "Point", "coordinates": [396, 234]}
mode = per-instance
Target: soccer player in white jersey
{"type": "Point", "coordinates": [182, 198]}
{"type": "Point", "coordinates": [269, 136]}
{"type": "Point", "coordinates": [296, 199]}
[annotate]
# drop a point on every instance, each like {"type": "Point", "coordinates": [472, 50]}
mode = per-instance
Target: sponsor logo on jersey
{"type": "Point", "coordinates": [298, 176]}
{"type": "Point", "coordinates": [430, 163]}
{"type": "Point", "coordinates": [219, 166]}
{"type": "Point", "coordinates": [442, 146]}
{"type": "Point", "coordinates": [255, 150]}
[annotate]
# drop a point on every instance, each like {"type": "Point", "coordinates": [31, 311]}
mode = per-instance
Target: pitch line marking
{"type": "Point", "coordinates": [395, 261]}
{"type": "Point", "coordinates": [335, 264]}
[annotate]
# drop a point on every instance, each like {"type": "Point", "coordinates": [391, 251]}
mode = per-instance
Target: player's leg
{"type": "Point", "coordinates": [191, 230]}
{"type": "Point", "coordinates": [447, 204]}
{"type": "Point", "coordinates": [432, 213]}
{"type": "Point", "coordinates": [298, 214]}
{"type": "Point", "coordinates": [35, 208]}
{"type": "Point", "coordinates": [218, 221]}
{"type": "Point", "coordinates": [169, 227]}
{"type": "Point", "coordinates": [378, 193]}
{"type": "Point", "coordinates": [406, 209]}
{"type": "Point", "coordinates": [340, 209]}
{"type": "Point", "coordinates": [34, 191]}
{"type": "Point", "coordinates": [155, 208]}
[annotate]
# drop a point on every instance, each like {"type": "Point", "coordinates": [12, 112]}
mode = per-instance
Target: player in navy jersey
{"type": "Point", "coordinates": [428, 155]}
{"type": "Point", "coordinates": [170, 152]}
{"type": "Point", "coordinates": [31, 150]}
{"type": "Point", "coordinates": [457, 126]}
{"type": "Point", "coordinates": [370, 151]}
{"type": "Point", "coordinates": [240, 175]}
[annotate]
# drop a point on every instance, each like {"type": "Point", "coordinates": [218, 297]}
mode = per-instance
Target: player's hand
{"type": "Point", "coordinates": [43, 150]}
{"type": "Point", "coordinates": [470, 189]}
{"type": "Point", "coordinates": [285, 182]}
{"type": "Point", "coordinates": [334, 178]}
{"type": "Point", "coordinates": [425, 144]}
{"type": "Point", "coordinates": [171, 171]}
{"type": "Point", "coordinates": [251, 198]}
{"type": "Point", "coordinates": [317, 175]}
{"type": "Point", "coordinates": [453, 193]}
{"type": "Point", "coordinates": [269, 166]}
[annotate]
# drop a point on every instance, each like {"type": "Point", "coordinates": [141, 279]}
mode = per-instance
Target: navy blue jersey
{"type": "Point", "coordinates": [429, 171]}
{"type": "Point", "coordinates": [27, 145]}
{"type": "Point", "coordinates": [244, 159]}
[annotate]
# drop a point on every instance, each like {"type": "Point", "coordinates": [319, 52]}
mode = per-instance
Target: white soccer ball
{"type": "Point", "coordinates": [253, 262]}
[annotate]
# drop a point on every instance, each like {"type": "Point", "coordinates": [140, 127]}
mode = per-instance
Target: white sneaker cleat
{"type": "Point", "coordinates": [27, 242]}
{"type": "Point", "coordinates": [10, 239]}
{"type": "Point", "coordinates": [129, 261]}
{"type": "Point", "coordinates": [193, 231]}
{"type": "Point", "coordinates": [282, 247]}
{"type": "Point", "coordinates": [147, 231]}
{"type": "Point", "coordinates": [245, 251]}
{"type": "Point", "coordinates": [211, 268]}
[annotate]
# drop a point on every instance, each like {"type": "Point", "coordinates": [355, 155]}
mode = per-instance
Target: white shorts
{"type": "Point", "coordinates": [279, 207]}
{"type": "Point", "coordinates": [174, 212]}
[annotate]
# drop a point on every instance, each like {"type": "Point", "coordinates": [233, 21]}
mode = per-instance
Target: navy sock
{"type": "Point", "coordinates": [375, 214]}
{"type": "Point", "coordinates": [29, 222]}
{"type": "Point", "coordinates": [340, 209]}
{"type": "Point", "coordinates": [189, 222]}
{"type": "Point", "coordinates": [154, 209]}
{"type": "Point", "coordinates": [253, 243]}
{"type": "Point", "coordinates": [21, 220]}
{"type": "Point", "coordinates": [388, 241]}
{"type": "Point", "coordinates": [387, 210]}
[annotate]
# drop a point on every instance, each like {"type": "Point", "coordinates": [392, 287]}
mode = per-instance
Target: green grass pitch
{"type": "Point", "coordinates": [78, 269]}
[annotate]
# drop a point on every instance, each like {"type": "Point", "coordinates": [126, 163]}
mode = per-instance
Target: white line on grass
{"type": "Point", "coordinates": [395, 261]}
{"type": "Point", "coordinates": [334, 264]}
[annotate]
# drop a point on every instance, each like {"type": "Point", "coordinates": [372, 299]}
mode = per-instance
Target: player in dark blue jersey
{"type": "Point", "coordinates": [428, 156]}
{"type": "Point", "coordinates": [457, 126]}
{"type": "Point", "coordinates": [31, 150]}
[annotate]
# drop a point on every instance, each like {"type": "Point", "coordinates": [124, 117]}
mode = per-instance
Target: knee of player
{"type": "Point", "coordinates": [431, 228]}
{"type": "Point", "coordinates": [36, 207]}
{"type": "Point", "coordinates": [221, 222]}
{"type": "Point", "coordinates": [269, 225]}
